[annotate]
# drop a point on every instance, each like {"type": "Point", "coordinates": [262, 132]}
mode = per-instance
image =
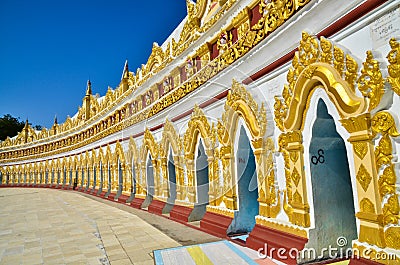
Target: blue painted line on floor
{"type": "Point", "coordinates": [240, 253]}
{"type": "Point", "coordinates": [158, 258]}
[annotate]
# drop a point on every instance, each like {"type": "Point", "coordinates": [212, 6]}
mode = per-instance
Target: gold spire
{"type": "Point", "coordinates": [125, 74]}
{"type": "Point", "coordinates": [89, 88]}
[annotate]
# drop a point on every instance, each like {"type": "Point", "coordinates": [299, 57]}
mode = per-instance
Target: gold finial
{"type": "Point", "coordinates": [89, 88]}
{"type": "Point", "coordinates": [125, 74]}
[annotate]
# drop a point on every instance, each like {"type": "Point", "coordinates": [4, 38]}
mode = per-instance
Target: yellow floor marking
{"type": "Point", "coordinates": [198, 256]}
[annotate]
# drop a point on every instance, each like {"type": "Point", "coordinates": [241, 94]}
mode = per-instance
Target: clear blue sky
{"type": "Point", "coordinates": [48, 50]}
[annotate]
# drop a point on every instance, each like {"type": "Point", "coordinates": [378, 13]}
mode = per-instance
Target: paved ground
{"type": "Point", "coordinates": [61, 227]}
{"type": "Point", "coordinates": [46, 226]}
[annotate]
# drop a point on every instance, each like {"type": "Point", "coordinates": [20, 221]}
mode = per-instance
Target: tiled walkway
{"type": "Point", "coordinates": [44, 226]}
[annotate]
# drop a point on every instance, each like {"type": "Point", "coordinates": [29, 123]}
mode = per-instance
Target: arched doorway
{"type": "Point", "coordinates": [101, 178]}
{"type": "Point", "coordinates": [134, 180]}
{"type": "Point", "coordinates": [171, 183]}
{"type": "Point", "coordinates": [331, 187]}
{"type": "Point", "coordinates": [244, 220]}
{"type": "Point", "coordinates": [202, 184]}
{"type": "Point", "coordinates": [149, 181]}
{"type": "Point", "coordinates": [120, 179]}
{"type": "Point", "coordinates": [94, 178]}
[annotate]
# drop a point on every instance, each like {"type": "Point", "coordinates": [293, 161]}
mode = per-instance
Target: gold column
{"type": "Point", "coordinates": [98, 177]}
{"type": "Point", "coordinates": [296, 205]}
{"type": "Point", "coordinates": [143, 179]}
{"type": "Point", "coordinates": [79, 176]}
{"type": "Point", "coordinates": [180, 177]}
{"type": "Point", "coordinates": [114, 176]}
{"type": "Point", "coordinates": [213, 184]}
{"type": "Point", "coordinates": [230, 196]}
{"type": "Point", "coordinates": [105, 176]}
{"type": "Point", "coordinates": [370, 215]}
{"type": "Point", "coordinates": [127, 175]}
{"type": "Point", "coordinates": [86, 172]}
{"type": "Point", "coordinates": [165, 177]}
{"type": "Point", "coordinates": [191, 188]}
{"type": "Point", "coordinates": [123, 172]}
{"type": "Point", "coordinates": [269, 204]}
{"type": "Point", "coordinates": [156, 174]}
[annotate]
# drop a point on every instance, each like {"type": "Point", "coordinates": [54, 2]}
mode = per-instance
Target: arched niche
{"type": "Point", "coordinates": [242, 107]}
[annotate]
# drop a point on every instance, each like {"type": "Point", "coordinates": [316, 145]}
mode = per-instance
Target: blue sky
{"type": "Point", "coordinates": [48, 50]}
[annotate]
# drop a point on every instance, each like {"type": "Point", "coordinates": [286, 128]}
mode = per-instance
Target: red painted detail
{"type": "Point", "coordinates": [215, 224]}
{"type": "Point", "coordinates": [362, 261]}
{"type": "Point", "coordinates": [214, 51]}
{"type": "Point", "coordinates": [102, 194]}
{"type": "Point", "coordinates": [180, 213]}
{"type": "Point", "coordinates": [262, 236]}
{"type": "Point", "coordinates": [137, 203]}
{"type": "Point", "coordinates": [111, 197]}
{"type": "Point", "coordinates": [123, 198]}
{"type": "Point", "coordinates": [234, 35]}
{"type": "Point", "coordinates": [255, 15]}
{"type": "Point", "coordinates": [156, 206]}
{"type": "Point", "coordinates": [157, 127]}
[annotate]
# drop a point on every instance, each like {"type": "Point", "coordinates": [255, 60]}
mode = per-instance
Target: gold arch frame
{"type": "Point", "coordinates": [170, 138]}
{"type": "Point", "coordinates": [240, 104]}
{"type": "Point", "coordinates": [133, 155]}
{"type": "Point", "coordinates": [321, 64]}
{"type": "Point", "coordinates": [199, 126]}
{"type": "Point", "coordinates": [149, 145]}
{"type": "Point", "coordinates": [119, 155]}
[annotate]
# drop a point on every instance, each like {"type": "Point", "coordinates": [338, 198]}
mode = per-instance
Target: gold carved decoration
{"type": "Point", "coordinates": [289, 143]}
{"type": "Point", "coordinates": [318, 63]}
{"type": "Point", "coordinates": [69, 136]}
{"type": "Point", "coordinates": [394, 66]}
{"type": "Point", "coordinates": [298, 231]}
{"type": "Point", "coordinates": [198, 126]}
{"type": "Point", "coordinates": [361, 149]}
{"type": "Point", "coordinates": [295, 177]}
{"type": "Point", "coordinates": [371, 83]}
{"type": "Point", "coordinates": [241, 104]}
{"type": "Point", "coordinates": [170, 138]}
{"type": "Point", "coordinates": [384, 256]}
{"type": "Point", "coordinates": [363, 177]}
{"type": "Point", "coordinates": [357, 124]}
{"type": "Point", "coordinates": [277, 12]}
{"type": "Point", "coordinates": [221, 210]}
{"type": "Point", "coordinates": [367, 206]}
{"type": "Point", "coordinates": [392, 237]}
{"type": "Point", "coordinates": [383, 123]}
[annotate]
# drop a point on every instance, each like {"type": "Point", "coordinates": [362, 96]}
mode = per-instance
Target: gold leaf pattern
{"type": "Point", "coordinates": [361, 149]}
{"type": "Point", "coordinates": [367, 206]}
{"type": "Point", "coordinates": [392, 237]}
{"type": "Point", "coordinates": [394, 65]}
{"type": "Point", "coordinates": [363, 177]}
{"type": "Point", "coordinates": [296, 177]}
{"type": "Point", "coordinates": [371, 82]}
